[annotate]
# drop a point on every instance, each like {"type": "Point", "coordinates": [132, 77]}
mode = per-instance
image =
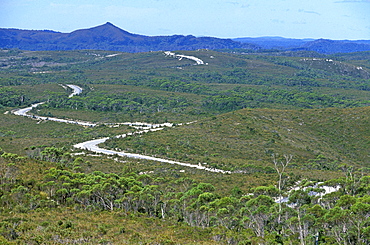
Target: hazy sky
{"type": "Point", "coordinates": [333, 19]}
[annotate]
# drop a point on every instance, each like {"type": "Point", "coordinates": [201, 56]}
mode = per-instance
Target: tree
{"type": "Point", "coordinates": [300, 200]}
{"type": "Point", "coordinates": [280, 167]}
{"type": "Point", "coordinates": [258, 211]}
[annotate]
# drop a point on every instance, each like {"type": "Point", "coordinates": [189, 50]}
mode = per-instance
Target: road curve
{"type": "Point", "coordinates": [180, 57]}
{"type": "Point", "coordinates": [76, 90]}
{"type": "Point", "coordinates": [92, 145]}
{"type": "Point", "coordinates": [24, 111]}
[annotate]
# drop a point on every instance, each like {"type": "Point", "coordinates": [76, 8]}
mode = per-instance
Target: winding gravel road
{"type": "Point", "coordinates": [76, 90]}
{"type": "Point", "coordinates": [92, 145]}
{"type": "Point", "coordinates": [180, 57]}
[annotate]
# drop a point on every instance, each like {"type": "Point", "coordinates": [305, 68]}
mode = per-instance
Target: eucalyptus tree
{"type": "Point", "coordinates": [257, 213]}
{"type": "Point", "coordinates": [226, 211]}
{"type": "Point", "coordinates": [280, 167]}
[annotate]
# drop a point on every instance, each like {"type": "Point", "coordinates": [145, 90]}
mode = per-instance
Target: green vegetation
{"type": "Point", "coordinates": [146, 199]}
{"type": "Point", "coordinates": [249, 113]}
{"type": "Point", "coordinates": [239, 140]}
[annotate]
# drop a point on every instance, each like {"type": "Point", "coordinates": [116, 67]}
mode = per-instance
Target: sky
{"type": "Point", "coordinates": [331, 19]}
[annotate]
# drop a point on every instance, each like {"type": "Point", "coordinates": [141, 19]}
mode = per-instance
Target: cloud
{"type": "Point", "coordinates": [299, 22]}
{"type": "Point", "coordinates": [73, 9]}
{"type": "Point", "coordinates": [233, 3]}
{"type": "Point", "coordinates": [308, 12]}
{"type": "Point", "coordinates": [129, 12]}
{"type": "Point", "coordinates": [61, 5]}
{"type": "Point", "coordinates": [353, 1]}
{"type": "Point", "coordinates": [277, 21]}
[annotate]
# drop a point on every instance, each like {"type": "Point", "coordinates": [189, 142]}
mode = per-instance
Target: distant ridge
{"type": "Point", "coordinates": [274, 42]}
{"type": "Point", "coordinates": [327, 46]}
{"type": "Point", "coordinates": [110, 37]}
{"type": "Point", "coordinates": [323, 46]}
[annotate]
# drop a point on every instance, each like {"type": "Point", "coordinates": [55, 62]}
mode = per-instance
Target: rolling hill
{"type": "Point", "coordinates": [274, 42]}
{"type": "Point", "coordinates": [246, 112]}
{"type": "Point", "coordinates": [109, 37]}
{"type": "Point", "coordinates": [155, 87]}
{"type": "Point", "coordinates": [244, 140]}
{"type": "Point", "coordinates": [323, 46]}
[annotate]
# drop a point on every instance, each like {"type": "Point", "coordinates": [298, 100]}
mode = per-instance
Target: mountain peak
{"type": "Point", "coordinates": [106, 25]}
{"type": "Point", "coordinates": [108, 29]}
{"type": "Point", "coordinates": [109, 24]}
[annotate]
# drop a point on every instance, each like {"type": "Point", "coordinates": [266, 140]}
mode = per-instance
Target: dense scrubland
{"type": "Point", "coordinates": [285, 124]}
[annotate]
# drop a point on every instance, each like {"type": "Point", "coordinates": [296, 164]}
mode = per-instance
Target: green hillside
{"type": "Point", "coordinates": [151, 86]}
{"type": "Point", "coordinates": [321, 139]}
{"type": "Point", "coordinates": [275, 120]}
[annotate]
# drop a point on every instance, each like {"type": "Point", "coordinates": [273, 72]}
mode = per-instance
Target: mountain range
{"type": "Point", "coordinates": [111, 37]}
{"type": "Point", "coordinates": [324, 46]}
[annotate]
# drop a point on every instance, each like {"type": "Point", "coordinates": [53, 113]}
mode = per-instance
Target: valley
{"type": "Point", "coordinates": [208, 163]}
{"type": "Point", "coordinates": [92, 145]}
